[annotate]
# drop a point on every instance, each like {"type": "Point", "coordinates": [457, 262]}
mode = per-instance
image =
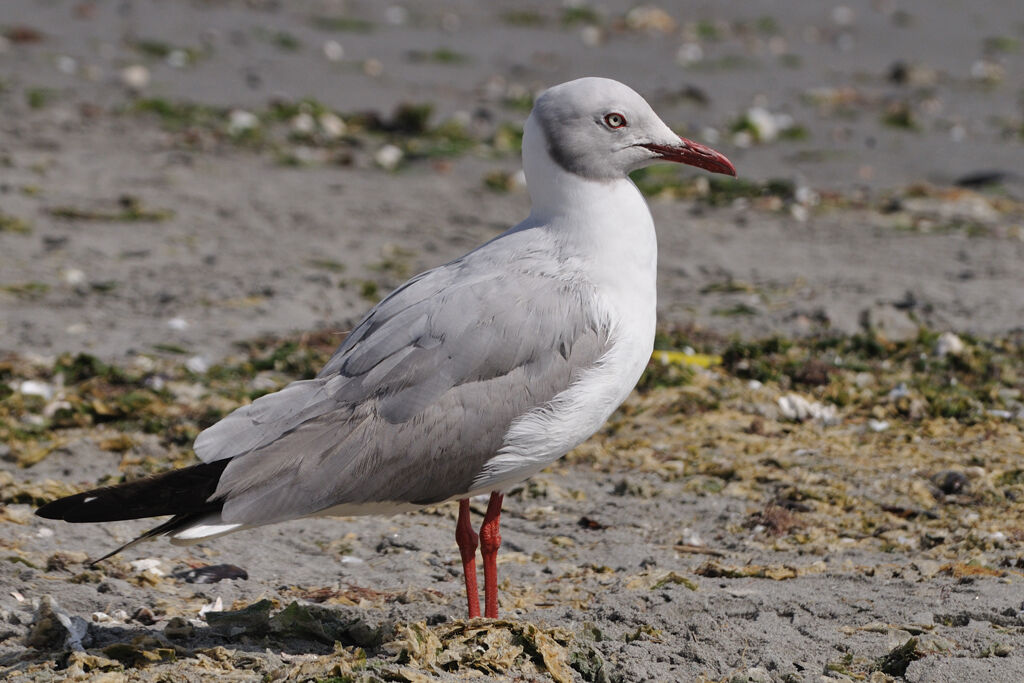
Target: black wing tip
{"type": "Point", "coordinates": [57, 509]}
{"type": "Point", "coordinates": [79, 508]}
{"type": "Point", "coordinates": [48, 511]}
{"type": "Point", "coordinates": [175, 492]}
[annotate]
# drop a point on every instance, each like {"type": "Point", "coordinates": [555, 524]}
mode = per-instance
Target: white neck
{"type": "Point", "coordinates": [554, 191]}
{"type": "Point", "coordinates": [605, 222]}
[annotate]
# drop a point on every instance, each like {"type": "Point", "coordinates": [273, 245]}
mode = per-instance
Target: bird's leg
{"type": "Point", "coordinates": [490, 541]}
{"type": "Point", "coordinates": [468, 541]}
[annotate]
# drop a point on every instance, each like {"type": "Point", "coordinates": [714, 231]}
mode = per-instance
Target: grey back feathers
{"type": "Point", "coordinates": [420, 395]}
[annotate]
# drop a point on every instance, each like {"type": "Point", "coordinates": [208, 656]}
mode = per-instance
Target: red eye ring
{"type": "Point", "coordinates": [615, 120]}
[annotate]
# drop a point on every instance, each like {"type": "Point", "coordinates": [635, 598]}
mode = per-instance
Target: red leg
{"type": "Point", "coordinates": [490, 541]}
{"type": "Point", "coordinates": [468, 540]}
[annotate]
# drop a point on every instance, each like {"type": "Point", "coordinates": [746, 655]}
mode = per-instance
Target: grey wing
{"type": "Point", "coordinates": [416, 400]}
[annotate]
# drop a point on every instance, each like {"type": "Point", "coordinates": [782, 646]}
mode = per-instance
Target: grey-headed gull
{"type": "Point", "coordinates": [468, 378]}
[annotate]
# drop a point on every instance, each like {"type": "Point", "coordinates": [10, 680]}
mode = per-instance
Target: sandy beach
{"type": "Point", "coordinates": [822, 480]}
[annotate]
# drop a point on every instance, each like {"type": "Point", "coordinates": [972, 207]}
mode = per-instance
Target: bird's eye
{"type": "Point", "coordinates": [615, 120]}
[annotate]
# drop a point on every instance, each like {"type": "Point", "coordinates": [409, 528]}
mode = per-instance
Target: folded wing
{"type": "Point", "coordinates": [416, 400]}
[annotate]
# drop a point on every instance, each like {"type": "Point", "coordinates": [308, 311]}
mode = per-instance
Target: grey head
{"type": "Point", "coordinates": [600, 129]}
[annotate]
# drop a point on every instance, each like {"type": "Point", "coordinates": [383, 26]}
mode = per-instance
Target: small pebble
{"type": "Point", "coordinates": [388, 157]}
{"type": "Point", "coordinates": [73, 276]}
{"type": "Point", "coordinates": [303, 124]}
{"type": "Point", "coordinates": [949, 344]}
{"type": "Point", "coordinates": [67, 65]}
{"type": "Point", "coordinates": [177, 59]}
{"type": "Point", "coordinates": [135, 77]}
{"type": "Point", "coordinates": [396, 15]}
{"type": "Point", "coordinates": [240, 121]}
{"type": "Point", "coordinates": [878, 425]}
{"type": "Point", "coordinates": [150, 564]}
{"type": "Point", "coordinates": [591, 36]}
{"type": "Point", "coordinates": [951, 482]}
{"type": "Point", "coordinates": [144, 616]}
{"type": "Point", "coordinates": [333, 51]}
{"type": "Point", "coordinates": [689, 53]}
{"type": "Point", "coordinates": [215, 606]}
{"type": "Point", "coordinates": [179, 629]}
{"type": "Point", "coordinates": [34, 387]}
{"type": "Point", "coordinates": [842, 15]}
{"type": "Point", "coordinates": [331, 124]}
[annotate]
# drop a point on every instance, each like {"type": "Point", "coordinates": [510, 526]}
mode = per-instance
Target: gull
{"type": "Point", "coordinates": [467, 379]}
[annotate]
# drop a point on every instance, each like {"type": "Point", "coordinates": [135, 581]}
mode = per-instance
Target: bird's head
{"type": "Point", "coordinates": [600, 129]}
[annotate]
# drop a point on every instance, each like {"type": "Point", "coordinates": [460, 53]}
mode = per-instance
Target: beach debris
{"type": "Point", "coordinates": [915, 75]}
{"type": "Point", "coordinates": [53, 628]}
{"type": "Point", "coordinates": [949, 344]}
{"type": "Point", "coordinates": [896, 662]}
{"type": "Point", "coordinates": [776, 572]}
{"type": "Point", "coordinates": [81, 664]}
{"type": "Point", "coordinates": [178, 58]}
{"type": "Point", "coordinates": [241, 121]}
{"type": "Point", "coordinates": [754, 674]}
{"type": "Point", "coordinates": [373, 67]}
{"type": "Point", "coordinates": [253, 620]}
{"type": "Point", "coordinates": [333, 51]}
{"type": "Point", "coordinates": [135, 77]}
{"type": "Point", "coordinates": [877, 425]}
{"type": "Point", "coordinates": [60, 561]}
{"type": "Point", "coordinates": [197, 364]}
{"type": "Point", "coordinates": [947, 207]}
{"type": "Point", "coordinates": [308, 622]}
{"type": "Point", "coordinates": [303, 123]}
{"type": "Point", "coordinates": [686, 356]}
{"type": "Point", "coordinates": [215, 607]}
{"type": "Point", "coordinates": [759, 125]}
{"type": "Point", "coordinates": [388, 157]}
{"type": "Point", "coordinates": [22, 34]}
{"type": "Point", "coordinates": [73, 276]}
{"type": "Point", "coordinates": [799, 409]}
{"type": "Point", "coordinates": [67, 65]}
{"type": "Point", "coordinates": [148, 564]}
{"type": "Point", "coordinates": [982, 179]}
{"type": "Point", "coordinates": [491, 647]}
{"type": "Point", "coordinates": [331, 125]}
{"type": "Point", "coordinates": [591, 35]}
{"type": "Point", "coordinates": [690, 53]}
{"type": "Point", "coordinates": [889, 322]}
{"type": "Point", "coordinates": [13, 224]}
{"type": "Point", "coordinates": [211, 573]}
{"type": "Point", "coordinates": [144, 616]}
{"type": "Point", "coordinates": [657, 579]}
{"type": "Point", "coordinates": [178, 628]}
{"type": "Point", "coordinates": [650, 18]}
{"type": "Point", "coordinates": [988, 71]}
{"type": "Point", "coordinates": [141, 652]}
{"type": "Point", "coordinates": [691, 538]}
{"type": "Point", "coordinates": [32, 387]}
{"type": "Point", "coordinates": [129, 209]}
{"type": "Point", "coordinates": [951, 482]}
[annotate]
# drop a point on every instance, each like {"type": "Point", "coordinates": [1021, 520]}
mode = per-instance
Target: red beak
{"type": "Point", "coordinates": [694, 154]}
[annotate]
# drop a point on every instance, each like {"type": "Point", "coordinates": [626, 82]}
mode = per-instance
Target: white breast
{"type": "Point", "coordinates": [545, 434]}
{"type": "Point", "coordinates": [616, 252]}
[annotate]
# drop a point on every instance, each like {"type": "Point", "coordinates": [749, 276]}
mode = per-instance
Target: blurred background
{"type": "Point", "coordinates": [189, 174]}
{"type": "Point", "coordinates": [821, 478]}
